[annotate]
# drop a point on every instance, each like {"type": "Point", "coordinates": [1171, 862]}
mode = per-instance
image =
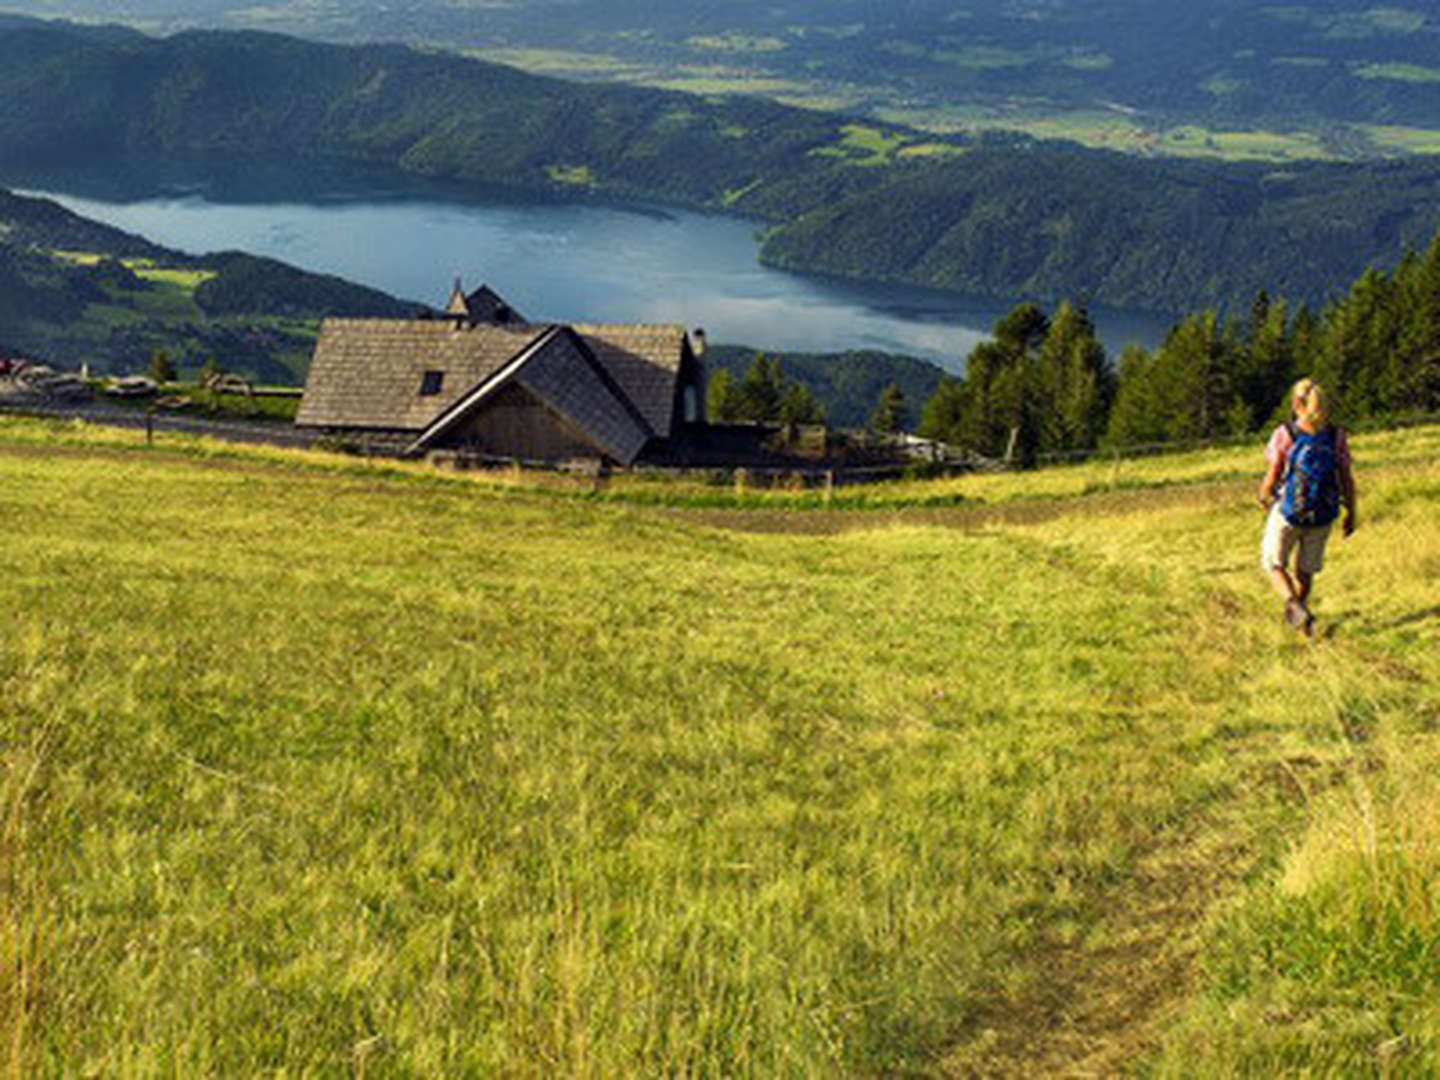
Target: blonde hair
{"type": "Point", "coordinates": [1308, 398]}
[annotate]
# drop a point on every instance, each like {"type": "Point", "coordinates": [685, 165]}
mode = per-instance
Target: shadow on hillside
{"type": "Point", "coordinates": [1414, 617]}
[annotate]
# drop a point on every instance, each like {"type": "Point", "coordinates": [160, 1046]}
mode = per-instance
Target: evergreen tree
{"type": "Point", "coordinates": [1411, 381]}
{"type": "Point", "coordinates": [161, 369]}
{"type": "Point", "coordinates": [798, 405]}
{"type": "Point", "coordinates": [722, 400]}
{"type": "Point", "coordinates": [941, 415]}
{"type": "Point", "coordinates": [761, 389]}
{"type": "Point", "coordinates": [1195, 376]}
{"type": "Point", "coordinates": [1022, 329]}
{"type": "Point", "coordinates": [1265, 365]}
{"type": "Point", "coordinates": [891, 411]}
{"type": "Point", "coordinates": [1136, 417]}
{"type": "Point", "coordinates": [981, 428]}
{"type": "Point", "coordinates": [1360, 331]}
{"type": "Point", "coordinates": [1071, 391]}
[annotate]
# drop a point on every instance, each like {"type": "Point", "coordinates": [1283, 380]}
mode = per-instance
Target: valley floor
{"type": "Point", "coordinates": [319, 765]}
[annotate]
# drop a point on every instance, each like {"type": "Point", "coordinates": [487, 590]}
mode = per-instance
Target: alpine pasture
{"type": "Point", "coordinates": [315, 765]}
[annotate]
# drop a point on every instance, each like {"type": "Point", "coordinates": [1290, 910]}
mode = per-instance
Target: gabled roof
{"type": "Point", "coordinates": [559, 370]}
{"type": "Point", "coordinates": [484, 305]}
{"type": "Point", "coordinates": [645, 362]}
{"type": "Point", "coordinates": [367, 373]}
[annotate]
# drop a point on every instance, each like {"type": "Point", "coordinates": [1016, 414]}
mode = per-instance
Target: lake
{"type": "Point", "coordinates": [579, 262]}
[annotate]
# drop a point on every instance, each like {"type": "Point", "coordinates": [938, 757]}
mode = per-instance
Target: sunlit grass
{"type": "Point", "coordinates": [572, 175]}
{"type": "Point", "coordinates": [737, 42]}
{"type": "Point", "coordinates": [1403, 139]}
{"type": "Point", "coordinates": [187, 280]}
{"type": "Point", "coordinates": [328, 765]}
{"type": "Point", "coordinates": [1192, 141]}
{"type": "Point", "coordinates": [1411, 73]}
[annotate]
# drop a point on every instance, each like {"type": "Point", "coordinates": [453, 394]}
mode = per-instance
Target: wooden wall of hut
{"type": "Point", "coordinates": [514, 423]}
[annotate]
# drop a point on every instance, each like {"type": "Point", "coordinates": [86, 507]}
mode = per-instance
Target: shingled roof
{"type": "Point", "coordinates": [559, 369]}
{"type": "Point", "coordinates": [645, 361]}
{"type": "Point", "coordinates": [484, 305]}
{"type": "Point", "coordinates": [366, 373]}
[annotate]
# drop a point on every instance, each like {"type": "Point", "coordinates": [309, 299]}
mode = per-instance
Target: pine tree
{"type": "Point", "coordinates": [891, 412]}
{"type": "Point", "coordinates": [1412, 380]}
{"type": "Point", "coordinates": [798, 405]}
{"type": "Point", "coordinates": [1266, 363]}
{"type": "Point", "coordinates": [1135, 418]}
{"type": "Point", "coordinates": [1360, 331]}
{"type": "Point", "coordinates": [761, 389]}
{"type": "Point", "coordinates": [161, 369]}
{"type": "Point", "coordinates": [722, 400]}
{"type": "Point", "coordinates": [1195, 374]}
{"type": "Point", "coordinates": [941, 415]}
{"type": "Point", "coordinates": [1070, 378]}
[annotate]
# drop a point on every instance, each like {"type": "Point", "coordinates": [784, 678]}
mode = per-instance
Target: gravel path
{"type": "Point", "coordinates": [270, 433]}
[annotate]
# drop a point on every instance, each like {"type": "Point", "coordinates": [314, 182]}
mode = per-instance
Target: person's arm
{"type": "Point", "coordinates": [1272, 478]}
{"type": "Point", "coordinates": [1277, 453]}
{"type": "Point", "coordinates": [1347, 499]}
{"type": "Point", "coordinates": [1347, 483]}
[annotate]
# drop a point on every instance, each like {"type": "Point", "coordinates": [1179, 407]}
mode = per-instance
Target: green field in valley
{"type": "Point", "coordinates": [315, 765]}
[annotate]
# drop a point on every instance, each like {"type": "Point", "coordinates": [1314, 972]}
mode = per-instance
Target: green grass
{"type": "Point", "coordinates": [736, 42]}
{"type": "Point", "coordinates": [1112, 127]}
{"type": "Point", "coordinates": [1406, 140]}
{"type": "Point", "coordinates": [322, 765]}
{"type": "Point", "coordinates": [1192, 141]}
{"type": "Point", "coordinates": [572, 175]}
{"type": "Point", "coordinates": [188, 280]}
{"type": "Point", "coordinates": [1412, 73]}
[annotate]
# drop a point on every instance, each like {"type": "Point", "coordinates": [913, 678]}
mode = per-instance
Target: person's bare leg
{"type": "Point", "coordinates": [1303, 582]}
{"type": "Point", "coordinates": [1284, 584]}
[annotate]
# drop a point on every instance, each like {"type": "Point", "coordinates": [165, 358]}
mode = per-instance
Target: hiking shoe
{"type": "Point", "coordinates": [1307, 627]}
{"type": "Point", "coordinates": [1296, 616]}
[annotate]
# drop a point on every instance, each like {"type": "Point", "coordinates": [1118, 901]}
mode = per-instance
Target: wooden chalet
{"type": "Point", "coordinates": [478, 378]}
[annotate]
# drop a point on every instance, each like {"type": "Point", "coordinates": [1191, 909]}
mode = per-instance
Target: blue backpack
{"type": "Point", "coordinates": [1312, 482]}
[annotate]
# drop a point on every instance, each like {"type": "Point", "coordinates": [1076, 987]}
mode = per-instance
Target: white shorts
{"type": "Point", "coordinates": [1282, 538]}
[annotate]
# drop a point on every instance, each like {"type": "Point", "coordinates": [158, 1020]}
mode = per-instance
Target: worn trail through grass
{"type": "Point", "coordinates": [319, 766]}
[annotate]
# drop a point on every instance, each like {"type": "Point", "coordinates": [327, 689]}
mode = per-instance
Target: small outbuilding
{"type": "Point", "coordinates": [481, 379]}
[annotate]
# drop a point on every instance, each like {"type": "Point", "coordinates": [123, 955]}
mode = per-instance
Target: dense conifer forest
{"type": "Point", "coordinates": [1043, 387]}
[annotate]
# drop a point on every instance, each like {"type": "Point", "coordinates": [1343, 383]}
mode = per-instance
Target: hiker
{"type": "Point", "coordinates": [1308, 481]}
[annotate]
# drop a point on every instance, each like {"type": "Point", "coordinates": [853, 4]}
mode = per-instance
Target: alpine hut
{"type": "Point", "coordinates": [481, 379]}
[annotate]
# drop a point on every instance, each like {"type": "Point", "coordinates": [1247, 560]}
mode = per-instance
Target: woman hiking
{"type": "Point", "coordinates": [1310, 466]}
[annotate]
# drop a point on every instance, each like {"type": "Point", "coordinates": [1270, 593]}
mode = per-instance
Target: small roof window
{"type": "Point", "coordinates": [431, 382]}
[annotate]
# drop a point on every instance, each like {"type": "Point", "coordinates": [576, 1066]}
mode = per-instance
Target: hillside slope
{"type": "Point", "coordinates": [1328, 69]}
{"type": "Point", "coordinates": [1003, 216]}
{"type": "Point", "coordinates": [596, 789]}
{"type": "Point", "coordinates": [75, 291]}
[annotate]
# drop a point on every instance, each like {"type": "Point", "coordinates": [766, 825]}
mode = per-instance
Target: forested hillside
{"type": "Point", "coordinates": [1001, 216]}
{"type": "Point", "coordinates": [73, 290]}
{"type": "Point", "coordinates": [1045, 221]}
{"type": "Point", "coordinates": [1345, 72]}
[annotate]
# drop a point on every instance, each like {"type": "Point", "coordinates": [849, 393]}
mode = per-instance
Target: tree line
{"type": "Point", "coordinates": [1043, 384]}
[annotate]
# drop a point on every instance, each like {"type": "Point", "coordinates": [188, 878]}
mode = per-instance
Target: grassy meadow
{"type": "Point", "coordinates": [314, 765]}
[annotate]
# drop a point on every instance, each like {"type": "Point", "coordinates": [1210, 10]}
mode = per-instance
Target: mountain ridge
{"type": "Point", "coordinates": [864, 201]}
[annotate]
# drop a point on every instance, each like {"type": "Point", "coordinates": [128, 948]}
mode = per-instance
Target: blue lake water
{"type": "Point", "coordinates": [582, 262]}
